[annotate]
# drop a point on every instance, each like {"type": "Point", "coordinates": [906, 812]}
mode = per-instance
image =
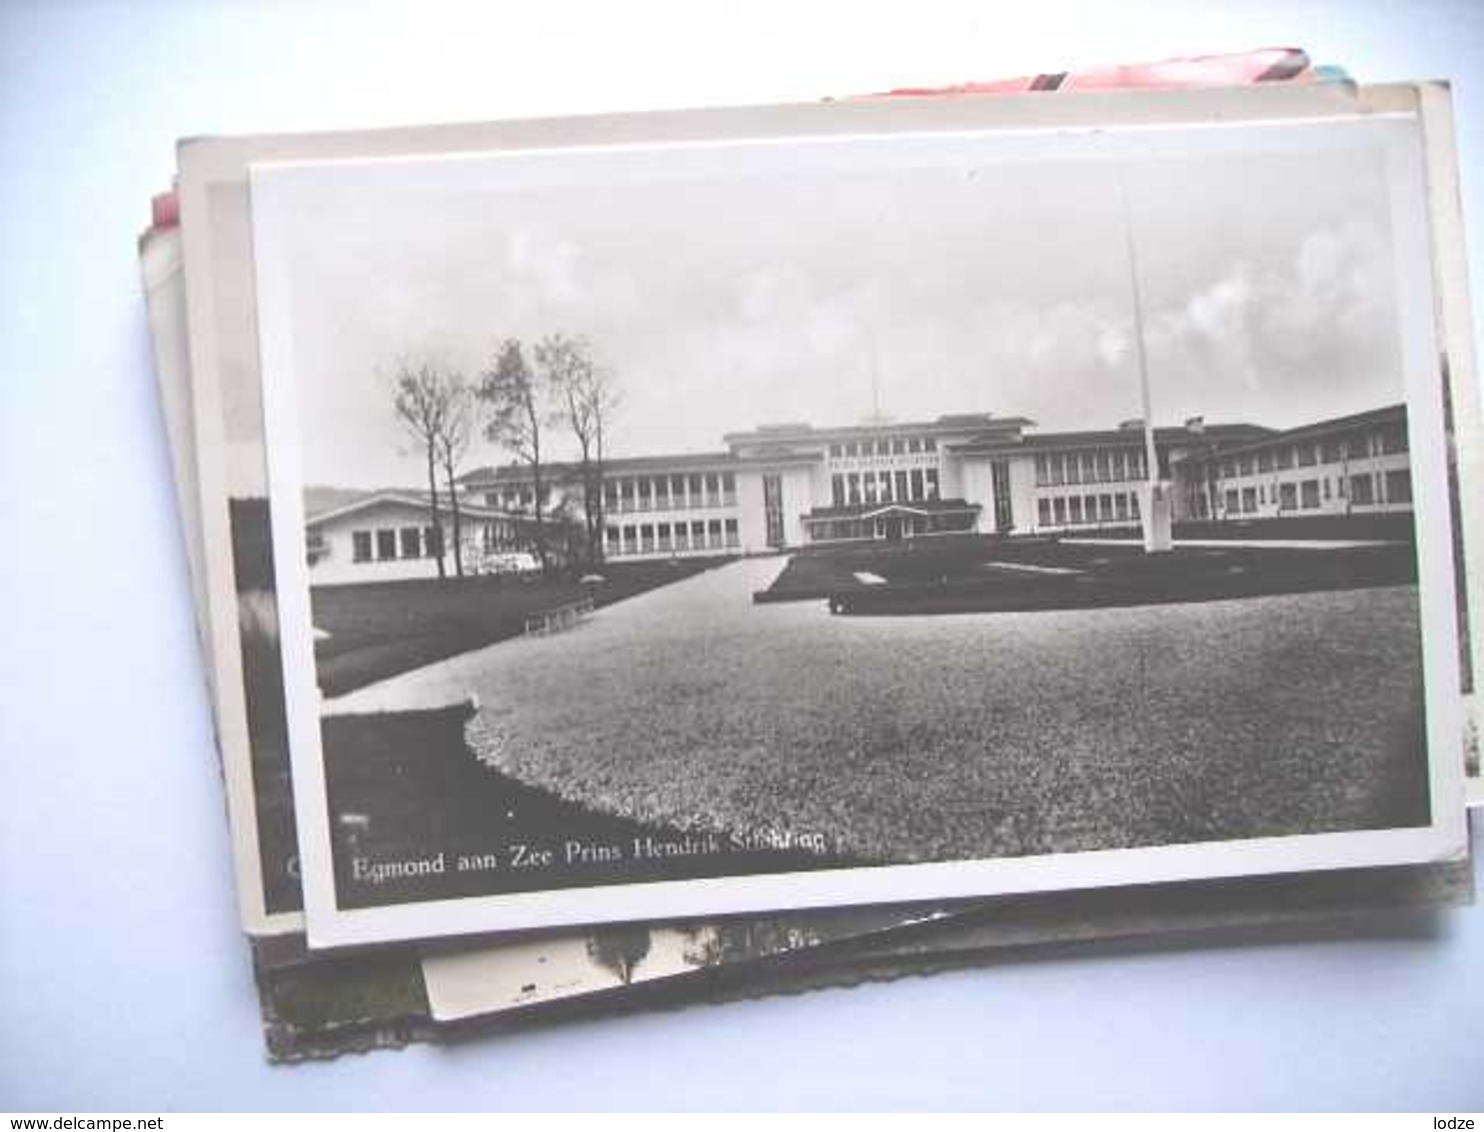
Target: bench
{"type": "Point", "coordinates": [542, 622]}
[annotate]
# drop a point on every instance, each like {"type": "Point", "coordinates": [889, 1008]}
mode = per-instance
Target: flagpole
{"type": "Point", "coordinates": [1156, 529]}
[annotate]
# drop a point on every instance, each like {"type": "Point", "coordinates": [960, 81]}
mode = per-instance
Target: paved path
{"type": "Point", "coordinates": [718, 592]}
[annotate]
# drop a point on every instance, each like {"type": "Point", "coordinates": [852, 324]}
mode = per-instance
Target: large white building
{"type": "Point", "coordinates": [782, 487]}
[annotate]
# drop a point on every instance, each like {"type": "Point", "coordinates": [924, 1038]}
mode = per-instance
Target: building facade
{"type": "Point", "coordinates": [388, 536]}
{"type": "Point", "coordinates": [784, 487]}
{"type": "Point", "coordinates": [1344, 466]}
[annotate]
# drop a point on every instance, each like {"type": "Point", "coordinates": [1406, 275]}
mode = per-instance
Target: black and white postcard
{"type": "Point", "coordinates": [855, 519]}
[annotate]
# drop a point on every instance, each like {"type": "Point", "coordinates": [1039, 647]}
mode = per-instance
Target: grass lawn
{"type": "Point", "coordinates": [380, 629]}
{"type": "Point", "coordinates": [977, 572]}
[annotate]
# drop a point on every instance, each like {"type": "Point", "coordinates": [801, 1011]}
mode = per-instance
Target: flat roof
{"type": "Point", "coordinates": [1131, 437]}
{"type": "Point", "coordinates": [949, 422]}
{"type": "Point", "coordinates": [1383, 415]}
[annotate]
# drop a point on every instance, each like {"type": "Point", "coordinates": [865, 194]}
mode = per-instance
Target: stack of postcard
{"type": "Point", "coordinates": [646, 558]}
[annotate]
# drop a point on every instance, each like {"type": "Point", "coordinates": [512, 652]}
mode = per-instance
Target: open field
{"type": "Point", "coordinates": [966, 735]}
{"type": "Point", "coordinates": [380, 629]}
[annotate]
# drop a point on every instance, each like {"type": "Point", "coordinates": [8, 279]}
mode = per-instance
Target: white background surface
{"type": "Point", "coordinates": [124, 983]}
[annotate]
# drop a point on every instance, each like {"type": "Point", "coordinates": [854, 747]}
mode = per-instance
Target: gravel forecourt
{"type": "Point", "coordinates": [903, 739]}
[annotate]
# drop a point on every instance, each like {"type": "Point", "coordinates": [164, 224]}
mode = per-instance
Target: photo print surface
{"type": "Point", "coordinates": [710, 528]}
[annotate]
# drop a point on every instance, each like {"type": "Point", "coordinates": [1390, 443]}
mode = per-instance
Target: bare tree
{"type": "Point", "coordinates": [586, 396]}
{"type": "Point", "coordinates": [518, 415]}
{"type": "Point", "coordinates": [420, 400]}
{"type": "Point", "coordinates": [451, 444]}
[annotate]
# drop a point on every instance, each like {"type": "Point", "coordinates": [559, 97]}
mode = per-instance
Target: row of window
{"type": "Point", "coordinates": [1384, 441]}
{"type": "Point", "coordinates": [897, 486]}
{"type": "Point", "coordinates": [1105, 465]}
{"type": "Point", "coordinates": [387, 543]}
{"type": "Point", "coordinates": [884, 446]}
{"type": "Point", "coordinates": [1075, 510]}
{"type": "Point", "coordinates": [651, 538]}
{"type": "Point", "coordinates": [1364, 490]}
{"type": "Point", "coordinates": [669, 493]}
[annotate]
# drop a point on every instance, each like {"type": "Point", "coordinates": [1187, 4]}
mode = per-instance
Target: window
{"type": "Point", "coordinates": [1309, 494]}
{"type": "Point", "coordinates": [1105, 467]}
{"type": "Point", "coordinates": [1074, 509]}
{"type": "Point", "coordinates": [1362, 494]}
{"type": "Point", "coordinates": [1059, 511]}
{"type": "Point", "coordinates": [898, 446]}
{"type": "Point", "coordinates": [1133, 504]}
{"type": "Point", "coordinates": [610, 495]}
{"type": "Point", "coordinates": [1284, 457]}
{"type": "Point", "coordinates": [854, 480]}
{"type": "Point", "coordinates": [663, 532]}
{"type": "Point", "coordinates": [713, 489]}
{"type": "Point", "coordinates": [885, 489]}
{"type": "Point", "coordinates": [1357, 445]}
{"type": "Point", "coordinates": [662, 494]}
{"type": "Point", "coordinates": [731, 529]}
{"type": "Point", "coordinates": [929, 444]}
{"type": "Point", "coordinates": [1228, 469]}
{"type": "Point", "coordinates": [1265, 460]}
{"type": "Point", "coordinates": [1393, 438]}
{"type": "Point", "coordinates": [682, 536]}
{"type": "Point", "coordinates": [645, 494]}
{"type": "Point", "coordinates": [1043, 512]}
{"type": "Point", "coordinates": [630, 539]}
{"type": "Point", "coordinates": [870, 487]}
{"type": "Point", "coordinates": [1057, 471]}
{"type": "Point", "coordinates": [1306, 455]}
{"type": "Point", "coordinates": [698, 535]}
{"type": "Point", "coordinates": [386, 545]}
{"type": "Point", "coordinates": [713, 528]}
{"type": "Point", "coordinates": [1232, 501]}
{"type": "Point", "coordinates": [1325, 482]}
{"type": "Point", "coordinates": [1042, 472]}
{"type": "Point", "coordinates": [626, 495]}
{"type": "Point", "coordinates": [852, 449]}
{"type": "Point", "coordinates": [1244, 465]}
{"type": "Point", "coordinates": [1287, 497]}
{"type": "Point", "coordinates": [1332, 451]}
{"type": "Point", "coordinates": [491, 499]}
{"type": "Point", "coordinates": [1119, 471]}
{"type": "Point", "coordinates": [412, 542]}
{"type": "Point", "coordinates": [360, 546]}
{"type": "Point", "coordinates": [915, 478]}
{"type": "Point", "coordinates": [1074, 468]}
{"type": "Point", "coordinates": [1120, 502]}
{"type": "Point", "coordinates": [901, 485]}
{"type": "Point", "coordinates": [677, 491]}
{"type": "Point", "coordinates": [694, 484]}
{"type": "Point", "coordinates": [729, 487]}
{"type": "Point", "coordinates": [1399, 486]}
{"type": "Point", "coordinates": [1262, 495]}
{"type": "Point", "coordinates": [610, 539]}
{"type": "Point", "coordinates": [1136, 469]}
{"type": "Point", "coordinates": [646, 537]}
{"type": "Point", "coordinates": [835, 451]}
{"type": "Point", "coordinates": [837, 490]}
{"type": "Point", "coordinates": [914, 445]}
{"type": "Point", "coordinates": [1249, 500]}
{"type": "Point", "coordinates": [1105, 508]}
{"type": "Point", "coordinates": [433, 541]}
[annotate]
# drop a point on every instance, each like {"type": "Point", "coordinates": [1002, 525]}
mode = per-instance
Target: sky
{"type": "Point", "coordinates": [733, 289]}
